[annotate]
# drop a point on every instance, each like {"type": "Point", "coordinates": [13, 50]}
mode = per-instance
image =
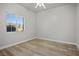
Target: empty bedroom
{"type": "Point", "coordinates": [39, 29]}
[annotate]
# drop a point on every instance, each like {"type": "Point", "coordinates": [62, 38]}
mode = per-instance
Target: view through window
{"type": "Point", "coordinates": [14, 23]}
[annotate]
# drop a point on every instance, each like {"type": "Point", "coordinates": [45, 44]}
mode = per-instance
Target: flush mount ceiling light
{"type": "Point", "coordinates": [40, 5]}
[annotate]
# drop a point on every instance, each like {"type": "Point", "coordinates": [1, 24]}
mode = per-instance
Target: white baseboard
{"type": "Point", "coordinates": [58, 41]}
{"type": "Point", "coordinates": [38, 38]}
{"type": "Point", "coordinates": [6, 46]}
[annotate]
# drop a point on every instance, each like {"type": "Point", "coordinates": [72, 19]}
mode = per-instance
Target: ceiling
{"type": "Point", "coordinates": [31, 6]}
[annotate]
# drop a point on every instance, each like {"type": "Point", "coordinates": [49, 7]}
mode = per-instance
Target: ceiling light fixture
{"type": "Point", "coordinates": [40, 5]}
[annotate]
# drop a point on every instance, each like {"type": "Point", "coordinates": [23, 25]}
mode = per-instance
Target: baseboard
{"type": "Point", "coordinates": [57, 41]}
{"type": "Point", "coordinates": [38, 38]}
{"type": "Point", "coordinates": [15, 43]}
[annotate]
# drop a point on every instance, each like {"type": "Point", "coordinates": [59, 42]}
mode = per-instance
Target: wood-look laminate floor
{"type": "Point", "coordinates": [39, 47]}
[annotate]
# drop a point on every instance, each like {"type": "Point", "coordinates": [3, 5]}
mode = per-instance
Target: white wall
{"type": "Point", "coordinates": [57, 23]}
{"type": "Point", "coordinates": [7, 38]}
{"type": "Point", "coordinates": [77, 29]}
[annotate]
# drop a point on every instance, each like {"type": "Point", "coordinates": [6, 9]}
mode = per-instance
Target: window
{"type": "Point", "coordinates": [14, 23]}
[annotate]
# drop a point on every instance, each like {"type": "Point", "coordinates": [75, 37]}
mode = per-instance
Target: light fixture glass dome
{"type": "Point", "coordinates": [40, 5]}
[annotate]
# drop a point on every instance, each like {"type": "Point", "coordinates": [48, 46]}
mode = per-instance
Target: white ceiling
{"type": "Point", "coordinates": [31, 6]}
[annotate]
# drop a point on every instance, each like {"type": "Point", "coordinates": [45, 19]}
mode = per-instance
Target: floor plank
{"type": "Point", "coordinates": [40, 47]}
